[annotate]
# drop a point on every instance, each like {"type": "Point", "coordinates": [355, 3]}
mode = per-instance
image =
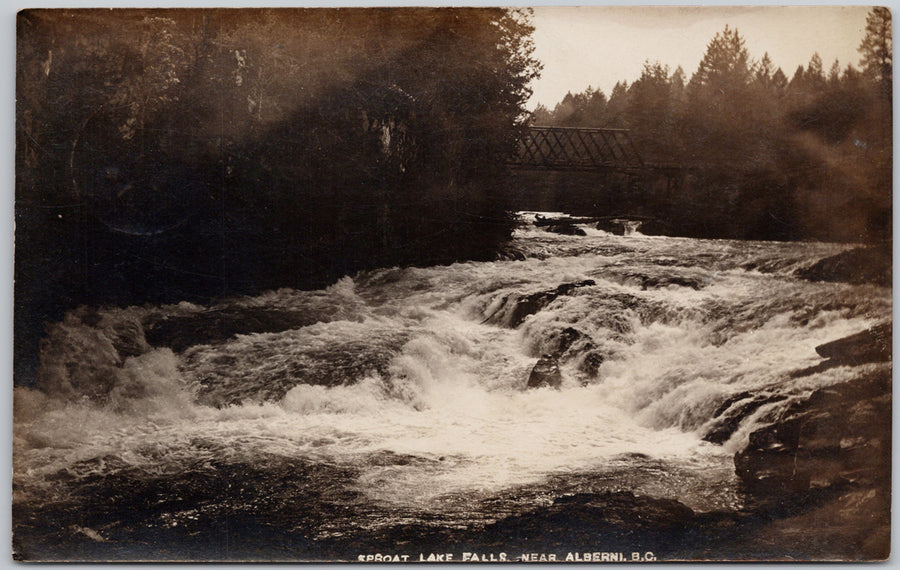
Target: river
{"type": "Point", "coordinates": [396, 399]}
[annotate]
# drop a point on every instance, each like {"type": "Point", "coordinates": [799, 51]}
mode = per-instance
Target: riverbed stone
{"type": "Point", "coordinates": [871, 345]}
{"type": "Point", "coordinates": [841, 433]}
{"type": "Point", "coordinates": [214, 326]}
{"type": "Point", "coordinates": [527, 305]}
{"type": "Point", "coordinates": [545, 373]}
{"type": "Point", "coordinates": [564, 339]}
{"type": "Point", "coordinates": [732, 412]}
{"type": "Point", "coordinates": [593, 359]}
{"type": "Point", "coordinates": [871, 265]}
{"type": "Point", "coordinates": [566, 229]}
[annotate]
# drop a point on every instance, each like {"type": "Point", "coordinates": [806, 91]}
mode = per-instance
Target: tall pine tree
{"type": "Point", "coordinates": [877, 48]}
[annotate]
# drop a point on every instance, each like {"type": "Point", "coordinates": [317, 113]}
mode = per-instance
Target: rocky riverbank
{"type": "Point", "coordinates": [820, 474]}
{"type": "Point", "coordinates": [871, 265]}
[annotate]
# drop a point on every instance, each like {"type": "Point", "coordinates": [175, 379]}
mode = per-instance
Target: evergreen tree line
{"type": "Point", "coordinates": [770, 157]}
{"type": "Point", "coordinates": [168, 155]}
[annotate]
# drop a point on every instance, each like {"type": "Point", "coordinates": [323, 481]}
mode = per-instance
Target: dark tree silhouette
{"type": "Point", "coordinates": [167, 155]}
{"type": "Point", "coordinates": [877, 47]}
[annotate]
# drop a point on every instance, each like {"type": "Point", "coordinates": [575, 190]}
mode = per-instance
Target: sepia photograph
{"type": "Point", "coordinates": [453, 284]}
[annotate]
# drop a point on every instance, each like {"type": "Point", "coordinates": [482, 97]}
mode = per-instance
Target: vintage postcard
{"type": "Point", "coordinates": [402, 285]}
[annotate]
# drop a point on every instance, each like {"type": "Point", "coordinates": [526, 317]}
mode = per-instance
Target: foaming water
{"type": "Point", "coordinates": [414, 380]}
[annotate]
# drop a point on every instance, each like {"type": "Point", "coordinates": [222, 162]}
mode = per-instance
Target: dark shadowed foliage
{"type": "Point", "coordinates": [167, 155]}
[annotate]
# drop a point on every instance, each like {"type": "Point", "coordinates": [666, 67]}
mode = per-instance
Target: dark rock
{"type": "Point", "coordinates": [213, 326]}
{"type": "Point", "coordinates": [567, 288]}
{"type": "Point", "coordinates": [545, 373]}
{"type": "Point", "coordinates": [654, 227]}
{"type": "Point", "coordinates": [531, 304]}
{"type": "Point", "coordinates": [564, 339]}
{"type": "Point", "coordinates": [541, 221]}
{"type": "Point", "coordinates": [872, 345]}
{"type": "Point", "coordinates": [611, 226]}
{"type": "Point", "coordinates": [127, 337]}
{"type": "Point", "coordinates": [591, 362]}
{"type": "Point", "coordinates": [618, 517]}
{"type": "Point", "coordinates": [840, 433]}
{"type": "Point", "coordinates": [660, 281]}
{"type": "Point", "coordinates": [566, 229]}
{"type": "Point", "coordinates": [645, 225]}
{"type": "Point", "coordinates": [871, 265]}
{"type": "Point", "coordinates": [734, 411]}
{"type": "Point", "coordinates": [730, 402]}
{"type": "Point", "coordinates": [766, 465]}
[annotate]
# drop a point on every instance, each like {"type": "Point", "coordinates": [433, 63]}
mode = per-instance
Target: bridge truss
{"type": "Point", "coordinates": [567, 148]}
{"type": "Point", "coordinates": [586, 149]}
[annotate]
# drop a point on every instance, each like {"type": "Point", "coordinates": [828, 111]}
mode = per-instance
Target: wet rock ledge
{"type": "Point", "coordinates": [872, 265]}
{"type": "Point", "coordinates": [837, 441]}
{"type": "Point", "coordinates": [816, 482]}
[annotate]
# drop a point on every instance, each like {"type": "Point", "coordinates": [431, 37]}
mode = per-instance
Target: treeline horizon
{"type": "Point", "coordinates": [769, 157]}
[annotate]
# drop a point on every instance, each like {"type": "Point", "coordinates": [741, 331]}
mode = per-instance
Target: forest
{"type": "Point", "coordinates": [183, 155]}
{"type": "Point", "coordinates": [768, 156]}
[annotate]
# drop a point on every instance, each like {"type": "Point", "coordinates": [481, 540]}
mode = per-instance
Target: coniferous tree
{"type": "Point", "coordinates": [763, 71]}
{"type": "Point", "coordinates": [595, 109]}
{"type": "Point", "coordinates": [726, 62]}
{"type": "Point", "coordinates": [617, 106]}
{"type": "Point", "coordinates": [650, 111]}
{"type": "Point", "coordinates": [834, 74]}
{"type": "Point", "coordinates": [678, 83]}
{"type": "Point", "coordinates": [719, 99]}
{"type": "Point", "coordinates": [541, 115]}
{"type": "Point", "coordinates": [779, 81]}
{"type": "Point", "coordinates": [877, 47]}
{"type": "Point", "coordinates": [815, 75]}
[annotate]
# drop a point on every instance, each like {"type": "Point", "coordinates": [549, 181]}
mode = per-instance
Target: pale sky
{"type": "Point", "coordinates": [599, 45]}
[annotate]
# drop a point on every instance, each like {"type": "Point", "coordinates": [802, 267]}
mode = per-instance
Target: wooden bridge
{"type": "Point", "coordinates": [584, 149]}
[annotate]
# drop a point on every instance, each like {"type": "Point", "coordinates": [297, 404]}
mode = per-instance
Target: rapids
{"type": "Point", "coordinates": [398, 395]}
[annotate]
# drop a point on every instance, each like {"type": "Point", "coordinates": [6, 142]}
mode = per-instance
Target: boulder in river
{"type": "Point", "coordinates": [654, 227]}
{"type": "Point", "coordinates": [564, 339]}
{"type": "Point", "coordinates": [566, 229]}
{"type": "Point", "coordinates": [614, 227]}
{"type": "Point", "coordinates": [214, 326]}
{"type": "Point", "coordinates": [840, 434]}
{"type": "Point", "coordinates": [872, 345]}
{"type": "Point", "coordinates": [734, 411]}
{"type": "Point", "coordinates": [531, 304]}
{"type": "Point", "coordinates": [545, 373]}
{"type": "Point", "coordinates": [871, 265]}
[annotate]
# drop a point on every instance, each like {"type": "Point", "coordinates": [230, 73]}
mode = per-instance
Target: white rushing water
{"type": "Point", "coordinates": [424, 364]}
